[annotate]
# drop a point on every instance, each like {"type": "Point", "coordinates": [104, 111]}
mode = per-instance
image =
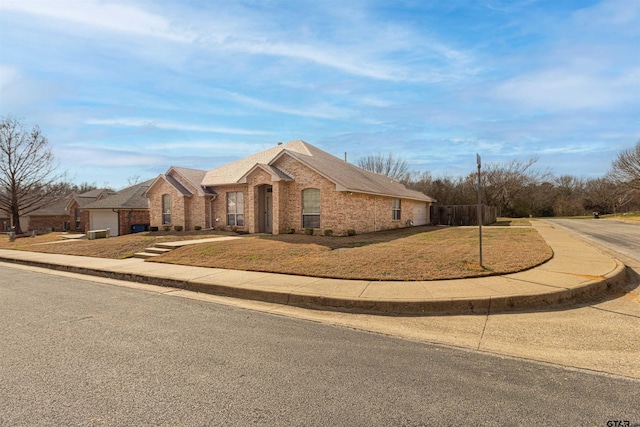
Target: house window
{"type": "Point", "coordinates": [235, 209]}
{"type": "Point", "coordinates": [311, 208]}
{"type": "Point", "coordinates": [77, 213]}
{"type": "Point", "coordinates": [395, 210]}
{"type": "Point", "coordinates": [166, 209]}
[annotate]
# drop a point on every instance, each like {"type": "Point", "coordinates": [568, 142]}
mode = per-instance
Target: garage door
{"type": "Point", "coordinates": [420, 215]}
{"type": "Point", "coordinates": [99, 220]}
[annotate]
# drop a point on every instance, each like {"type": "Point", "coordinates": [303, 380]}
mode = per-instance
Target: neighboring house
{"type": "Point", "coordinates": [78, 217]}
{"type": "Point", "coordinates": [290, 186]}
{"type": "Point", "coordinates": [120, 211]}
{"type": "Point", "coordinates": [54, 217]}
{"type": "Point", "coordinates": [63, 214]}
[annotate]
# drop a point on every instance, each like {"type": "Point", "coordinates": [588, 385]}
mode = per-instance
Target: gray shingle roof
{"type": "Point", "coordinates": [193, 177]}
{"type": "Point", "coordinates": [129, 198]}
{"type": "Point", "coordinates": [346, 176]}
{"type": "Point", "coordinates": [56, 208]}
{"type": "Point", "coordinates": [91, 196]}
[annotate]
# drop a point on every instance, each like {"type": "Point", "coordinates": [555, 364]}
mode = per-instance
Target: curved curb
{"type": "Point", "coordinates": [485, 305]}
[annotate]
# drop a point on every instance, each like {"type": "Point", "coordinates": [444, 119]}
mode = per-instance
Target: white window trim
{"type": "Point", "coordinates": [311, 214]}
{"type": "Point", "coordinates": [236, 213]}
{"type": "Point", "coordinates": [396, 210]}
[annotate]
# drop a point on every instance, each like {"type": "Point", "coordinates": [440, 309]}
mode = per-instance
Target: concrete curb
{"type": "Point", "coordinates": [471, 305]}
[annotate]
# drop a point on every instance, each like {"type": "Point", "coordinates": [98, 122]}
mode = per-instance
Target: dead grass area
{"type": "Point", "coordinates": [419, 253]}
{"type": "Point", "coordinates": [113, 247]}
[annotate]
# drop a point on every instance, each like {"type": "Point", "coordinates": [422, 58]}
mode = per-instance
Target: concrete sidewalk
{"type": "Point", "coordinates": [577, 271]}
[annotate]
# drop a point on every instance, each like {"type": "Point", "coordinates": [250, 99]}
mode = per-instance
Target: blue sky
{"type": "Point", "coordinates": [125, 88]}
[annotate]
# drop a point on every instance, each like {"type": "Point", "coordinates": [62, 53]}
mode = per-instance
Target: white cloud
{"type": "Point", "coordinates": [561, 89]}
{"type": "Point", "coordinates": [212, 146]}
{"type": "Point", "coordinates": [323, 111]}
{"type": "Point", "coordinates": [110, 16]}
{"type": "Point", "coordinates": [8, 74]}
{"type": "Point", "coordinates": [167, 125]}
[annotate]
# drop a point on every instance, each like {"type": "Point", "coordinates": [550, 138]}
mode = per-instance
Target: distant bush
{"type": "Point", "coordinates": [351, 232]}
{"type": "Point", "coordinates": [197, 228]}
{"type": "Point", "coordinates": [166, 227]}
{"type": "Point", "coordinates": [328, 232]}
{"type": "Point", "coordinates": [153, 228]}
{"type": "Point", "coordinates": [308, 231]}
{"type": "Point", "coordinates": [290, 231]}
{"type": "Point", "coordinates": [178, 228]}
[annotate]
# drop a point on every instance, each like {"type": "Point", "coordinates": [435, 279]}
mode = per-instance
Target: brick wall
{"type": "Point", "coordinates": [45, 223]}
{"type": "Point", "coordinates": [84, 218]}
{"type": "Point", "coordinates": [186, 211]}
{"type": "Point", "coordinates": [155, 205]}
{"type": "Point", "coordinates": [220, 206]}
{"type": "Point", "coordinates": [127, 218]}
{"type": "Point", "coordinates": [340, 211]}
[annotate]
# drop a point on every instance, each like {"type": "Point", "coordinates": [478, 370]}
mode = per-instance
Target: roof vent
{"type": "Point", "coordinates": [279, 143]}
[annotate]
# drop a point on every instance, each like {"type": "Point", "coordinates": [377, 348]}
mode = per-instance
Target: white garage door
{"type": "Point", "coordinates": [420, 214]}
{"type": "Point", "coordinates": [99, 220]}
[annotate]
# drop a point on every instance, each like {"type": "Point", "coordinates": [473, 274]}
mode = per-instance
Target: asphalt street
{"type": "Point", "coordinates": [77, 352]}
{"type": "Point", "coordinates": [621, 237]}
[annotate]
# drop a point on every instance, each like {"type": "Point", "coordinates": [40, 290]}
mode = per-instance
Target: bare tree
{"type": "Point", "coordinates": [626, 167]}
{"type": "Point", "coordinates": [28, 178]}
{"type": "Point", "coordinates": [387, 165]}
{"type": "Point", "coordinates": [506, 186]}
{"type": "Point", "coordinates": [133, 180]}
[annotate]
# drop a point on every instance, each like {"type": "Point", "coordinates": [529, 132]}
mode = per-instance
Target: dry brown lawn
{"type": "Point", "coordinates": [420, 253]}
{"type": "Point", "coordinates": [113, 247]}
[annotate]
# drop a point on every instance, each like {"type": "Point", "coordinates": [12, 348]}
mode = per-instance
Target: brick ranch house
{"type": "Point", "coordinates": [289, 186]}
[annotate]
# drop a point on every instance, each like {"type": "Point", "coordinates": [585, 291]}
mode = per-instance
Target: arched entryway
{"type": "Point", "coordinates": [265, 209]}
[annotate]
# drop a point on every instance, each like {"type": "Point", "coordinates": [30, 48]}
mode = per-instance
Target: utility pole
{"type": "Point", "coordinates": [479, 161]}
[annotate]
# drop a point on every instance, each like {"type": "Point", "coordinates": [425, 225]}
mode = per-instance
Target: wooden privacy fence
{"type": "Point", "coordinates": [462, 214]}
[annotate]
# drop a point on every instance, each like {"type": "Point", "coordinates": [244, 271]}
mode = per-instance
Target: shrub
{"type": "Point", "coordinates": [234, 228]}
{"type": "Point", "coordinates": [290, 231]}
{"type": "Point", "coordinates": [178, 228]}
{"type": "Point", "coordinates": [153, 228]}
{"type": "Point", "coordinates": [166, 227]}
{"type": "Point", "coordinates": [197, 228]}
{"type": "Point", "coordinates": [308, 231]}
{"type": "Point", "coordinates": [328, 232]}
{"type": "Point", "coordinates": [222, 227]}
{"type": "Point", "coordinates": [351, 232]}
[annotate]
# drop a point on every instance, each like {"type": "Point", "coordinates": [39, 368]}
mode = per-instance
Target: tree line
{"type": "Point", "coordinates": [518, 189]}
